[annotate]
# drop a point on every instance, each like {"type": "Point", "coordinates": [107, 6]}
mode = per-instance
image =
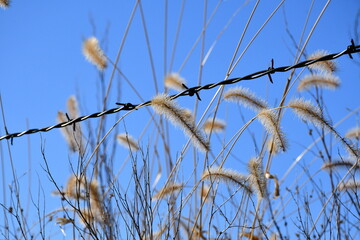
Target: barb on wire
{"type": "Point", "coordinates": [191, 91]}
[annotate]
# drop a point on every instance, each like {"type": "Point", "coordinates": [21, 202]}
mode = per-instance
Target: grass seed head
{"type": "Point", "coordinates": [214, 125]}
{"type": "Point", "coordinates": [128, 141]}
{"type": "Point", "coordinates": [245, 97]}
{"type": "Point", "coordinates": [228, 176]}
{"type": "Point", "coordinates": [327, 66]}
{"type": "Point", "coordinates": [168, 190]}
{"type": "Point", "coordinates": [93, 53]}
{"type": "Point", "coordinates": [163, 105]}
{"type": "Point", "coordinates": [324, 80]}
{"type": "Point", "coordinates": [272, 126]}
{"type": "Point", "coordinates": [4, 3]}
{"type": "Point", "coordinates": [174, 81]}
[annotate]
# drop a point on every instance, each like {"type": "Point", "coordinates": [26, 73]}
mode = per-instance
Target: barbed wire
{"type": "Point", "coordinates": [191, 91]}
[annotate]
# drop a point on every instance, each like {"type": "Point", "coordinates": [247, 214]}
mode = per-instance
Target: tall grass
{"type": "Point", "coordinates": [286, 176]}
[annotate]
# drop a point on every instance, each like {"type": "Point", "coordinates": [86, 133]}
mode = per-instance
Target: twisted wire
{"type": "Point", "coordinates": [191, 91]}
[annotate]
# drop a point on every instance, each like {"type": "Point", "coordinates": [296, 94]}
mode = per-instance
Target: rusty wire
{"type": "Point", "coordinates": [191, 91]}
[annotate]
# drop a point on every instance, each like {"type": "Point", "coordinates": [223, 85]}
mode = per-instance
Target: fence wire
{"type": "Point", "coordinates": [191, 91]}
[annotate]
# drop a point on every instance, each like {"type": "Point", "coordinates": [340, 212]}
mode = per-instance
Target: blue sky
{"type": "Point", "coordinates": [41, 65]}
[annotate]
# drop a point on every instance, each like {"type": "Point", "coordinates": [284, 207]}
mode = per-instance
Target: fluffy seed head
{"type": "Point", "coordinates": [229, 176]}
{"type": "Point", "coordinates": [73, 138]}
{"type": "Point", "coordinates": [174, 81]}
{"type": "Point", "coordinates": [272, 126]}
{"type": "Point", "coordinates": [4, 3]}
{"type": "Point", "coordinates": [353, 133]}
{"type": "Point", "coordinates": [349, 185]}
{"type": "Point", "coordinates": [214, 125]}
{"type": "Point", "coordinates": [328, 66]}
{"type": "Point", "coordinates": [340, 164]}
{"type": "Point", "coordinates": [326, 80]}
{"type": "Point", "coordinates": [245, 97]}
{"type": "Point", "coordinates": [163, 105]}
{"type": "Point", "coordinates": [128, 141]}
{"type": "Point", "coordinates": [307, 112]}
{"type": "Point", "coordinates": [72, 107]}
{"type": "Point", "coordinates": [167, 190]}
{"type": "Point", "coordinates": [257, 176]}
{"type": "Point", "coordinates": [93, 53]}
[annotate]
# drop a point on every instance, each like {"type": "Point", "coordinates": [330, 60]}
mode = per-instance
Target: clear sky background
{"type": "Point", "coordinates": [41, 65]}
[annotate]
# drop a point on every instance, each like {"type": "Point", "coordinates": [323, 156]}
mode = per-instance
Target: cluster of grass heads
{"type": "Point", "coordinates": [197, 185]}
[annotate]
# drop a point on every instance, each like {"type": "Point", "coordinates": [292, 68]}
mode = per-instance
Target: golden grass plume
{"type": "Point", "coordinates": [328, 81]}
{"type": "Point", "coordinates": [350, 185]}
{"type": "Point", "coordinates": [340, 164]}
{"type": "Point", "coordinates": [327, 66]}
{"type": "Point", "coordinates": [245, 97]}
{"type": "Point", "coordinates": [73, 135]}
{"type": "Point", "coordinates": [128, 141]}
{"type": "Point", "coordinates": [272, 126]}
{"type": "Point", "coordinates": [94, 53]}
{"type": "Point", "coordinates": [174, 81]}
{"type": "Point", "coordinates": [4, 3]}
{"type": "Point", "coordinates": [214, 125]}
{"type": "Point", "coordinates": [308, 112]}
{"type": "Point", "coordinates": [228, 176]}
{"type": "Point", "coordinates": [257, 176]}
{"type": "Point", "coordinates": [168, 190]}
{"type": "Point", "coordinates": [163, 105]}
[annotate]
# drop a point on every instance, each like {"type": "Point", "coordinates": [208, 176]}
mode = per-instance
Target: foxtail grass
{"type": "Point", "coordinates": [328, 81]}
{"type": "Point", "coordinates": [168, 190]}
{"type": "Point", "coordinates": [163, 105]}
{"type": "Point", "coordinates": [272, 126]}
{"type": "Point", "coordinates": [214, 125]}
{"type": "Point", "coordinates": [228, 176]}
{"type": "Point", "coordinates": [327, 66]}
{"type": "Point", "coordinates": [308, 112]}
{"type": "Point", "coordinates": [257, 177]}
{"type": "Point", "coordinates": [128, 141]}
{"type": "Point", "coordinates": [245, 97]}
{"type": "Point", "coordinates": [94, 53]}
{"type": "Point", "coordinates": [174, 81]}
{"type": "Point", "coordinates": [4, 3]}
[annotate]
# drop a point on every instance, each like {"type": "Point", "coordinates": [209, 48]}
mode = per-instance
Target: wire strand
{"type": "Point", "coordinates": [192, 91]}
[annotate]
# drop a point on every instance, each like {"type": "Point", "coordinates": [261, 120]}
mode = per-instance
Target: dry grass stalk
{"type": "Point", "coordinates": [93, 53]}
{"type": "Point", "coordinates": [229, 176]}
{"type": "Point", "coordinates": [167, 190]}
{"type": "Point", "coordinates": [327, 81]}
{"type": "Point", "coordinates": [4, 3]}
{"type": "Point", "coordinates": [349, 185]}
{"type": "Point", "coordinates": [249, 235]}
{"type": "Point", "coordinates": [214, 125]}
{"type": "Point", "coordinates": [174, 81]}
{"type": "Point", "coordinates": [327, 66]}
{"type": "Point", "coordinates": [245, 97]}
{"type": "Point", "coordinates": [337, 164]}
{"type": "Point", "coordinates": [128, 141]}
{"type": "Point", "coordinates": [257, 177]}
{"type": "Point", "coordinates": [271, 125]}
{"type": "Point", "coordinates": [353, 133]}
{"type": "Point", "coordinates": [163, 105]}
